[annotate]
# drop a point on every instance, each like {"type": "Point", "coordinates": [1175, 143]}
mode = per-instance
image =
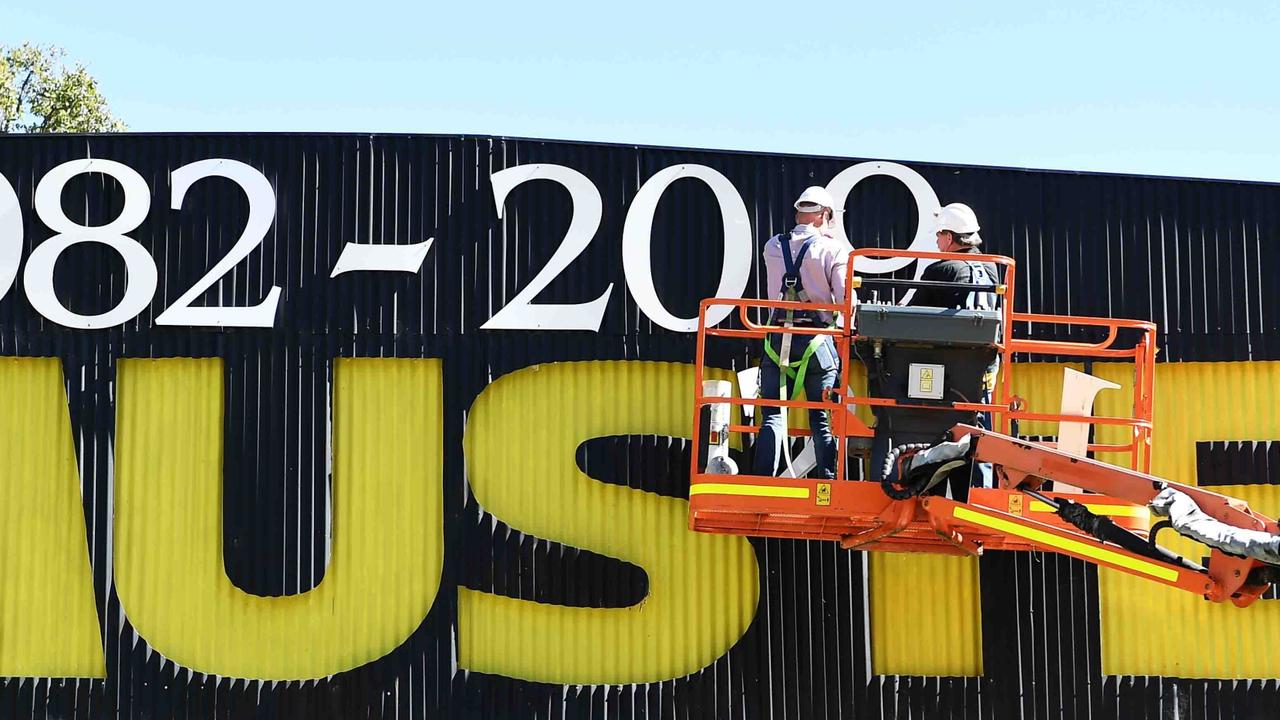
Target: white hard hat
{"type": "Point", "coordinates": [814, 198]}
{"type": "Point", "coordinates": [958, 218]}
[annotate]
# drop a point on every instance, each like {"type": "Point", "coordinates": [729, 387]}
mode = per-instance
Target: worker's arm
{"type": "Point", "coordinates": [835, 267]}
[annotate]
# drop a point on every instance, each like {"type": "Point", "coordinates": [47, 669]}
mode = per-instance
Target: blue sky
{"type": "Point", "coordinates": [1168, 88]}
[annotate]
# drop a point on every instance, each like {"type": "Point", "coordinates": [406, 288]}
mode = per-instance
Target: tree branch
{"type": "Point", "coordinates": [22, 91]}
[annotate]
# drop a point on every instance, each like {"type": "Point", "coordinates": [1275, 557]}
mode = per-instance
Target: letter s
{"type": "Point", "coordinates": [520, 443]}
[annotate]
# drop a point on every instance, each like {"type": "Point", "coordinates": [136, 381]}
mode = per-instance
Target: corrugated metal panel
{"type": "Point", "coordinates": [48, 618]}
{"type": "Point", "coordinates": [1191, 255]}
{"type": "Point", "coordinates": [1198, 401]}
{"type": "Point", "coordinates": [925, 615]}
{"type": "Point", "coordinates": [1040, 385]}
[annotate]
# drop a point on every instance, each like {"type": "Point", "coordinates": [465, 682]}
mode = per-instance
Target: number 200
{"type": "Point", "coordinates": [521, 313]}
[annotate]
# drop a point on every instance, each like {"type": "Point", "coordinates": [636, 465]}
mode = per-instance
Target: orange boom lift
{"type": "Point", "coordinates": [905, 507]}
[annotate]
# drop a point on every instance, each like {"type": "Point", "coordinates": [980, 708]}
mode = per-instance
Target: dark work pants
{"type": "Point", "coordinates": [821, 373]}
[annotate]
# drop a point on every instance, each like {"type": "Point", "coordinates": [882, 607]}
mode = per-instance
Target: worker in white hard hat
{"type": "Point", "coordinates": [803, 265]}
{"type": "Point", "coordinates": [957, 232]}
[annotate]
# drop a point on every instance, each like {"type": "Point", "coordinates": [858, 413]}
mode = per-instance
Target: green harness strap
{"type": "Point", "coordinates": [790, 294]}
{"type": "Point", "coordinates": [795, 373]}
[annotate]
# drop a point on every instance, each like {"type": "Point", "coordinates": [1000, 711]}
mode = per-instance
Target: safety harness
{"type": "Point", "coordinates": [980, 299]}
{"type": "Point", "coordinates": [793, 291]}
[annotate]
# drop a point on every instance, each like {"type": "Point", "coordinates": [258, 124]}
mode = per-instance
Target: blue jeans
{"type": "Point", "coordinates": [984, 476]}
{"type": "Point", "coordinates": [820, 375]}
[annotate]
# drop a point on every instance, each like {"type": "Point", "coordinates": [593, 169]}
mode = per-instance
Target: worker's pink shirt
{"type": "Point", "coordinates": [821, 272]}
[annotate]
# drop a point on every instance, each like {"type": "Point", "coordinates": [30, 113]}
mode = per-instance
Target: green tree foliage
{"type": "Point", "coordinates": [39, 94]}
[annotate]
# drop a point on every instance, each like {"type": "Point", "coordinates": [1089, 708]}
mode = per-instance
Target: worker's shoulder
{"type": "Point", "coordinates": [828, 245]}
{"type": "Point", "coordinates": [946, 268]}
{"type": "Point", "coordinates": [829, 241]}
{"type": "Point", "coordinates": [819, 245]}
{"type": "Point", "coordinates": [957, 270]}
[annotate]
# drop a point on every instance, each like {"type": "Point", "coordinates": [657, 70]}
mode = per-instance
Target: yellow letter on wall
{"type": "Point", "coordinates": [520, 442]}
{"type": "Point", "coordinates": [48, 625]}
{"type": "Point", "coordinates": [388, 548]}
{"type": "Point", "coordinates": [1150, 629]}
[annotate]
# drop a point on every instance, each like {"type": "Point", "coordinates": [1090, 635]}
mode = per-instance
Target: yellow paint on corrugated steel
{"type": "Point", "coordinates": [1151, 630]}
{"type": "Point", "coordinates": [48, 624]}
{"type": "Point", "coordinates": [521, 437]}
{"type": "Point", "coordinates": [1114, 403]}
{"type": "Point", "coordinates": [925, 615]}
{"type": "Point", "coordinates": [1040, 385]}
{"type": "Point", "coordinates": [388, 548]}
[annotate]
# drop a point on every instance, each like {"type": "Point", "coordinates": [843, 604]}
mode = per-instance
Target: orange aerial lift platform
{"type": "Point", "coordinates": [926, 435]}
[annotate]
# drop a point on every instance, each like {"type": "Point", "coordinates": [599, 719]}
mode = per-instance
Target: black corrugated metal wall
{"type": "Point", "coordinates": [1195, 256]}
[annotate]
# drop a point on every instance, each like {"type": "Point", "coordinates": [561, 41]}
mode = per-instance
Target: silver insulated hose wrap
{"type": "Point", "coordinates": [1188, 519]}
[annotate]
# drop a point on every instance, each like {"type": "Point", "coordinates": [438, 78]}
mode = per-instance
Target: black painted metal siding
{"type": "Point", "coordinates": [1195, 256]}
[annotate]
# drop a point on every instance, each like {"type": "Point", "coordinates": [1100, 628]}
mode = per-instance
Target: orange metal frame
{"type": "Point", "coordinates": [860, 515]}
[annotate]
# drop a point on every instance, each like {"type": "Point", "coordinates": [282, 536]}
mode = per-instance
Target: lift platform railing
{"type": "Point", "coordinates": [1007, 406]}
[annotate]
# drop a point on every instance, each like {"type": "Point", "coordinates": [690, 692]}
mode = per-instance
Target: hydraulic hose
{"type": "Point", "coordinates": [1105, 529]}
{"type": "Point", "coordinates": [916, 482]}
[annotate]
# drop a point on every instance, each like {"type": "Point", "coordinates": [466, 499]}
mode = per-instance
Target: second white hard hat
{"type": "Point", "coordinates": [813, 198]}
{"type": "Point", "coordinates": [958, 218]}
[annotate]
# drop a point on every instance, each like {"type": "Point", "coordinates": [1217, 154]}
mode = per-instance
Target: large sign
{"type": "Point", "coordinates": [520, 313]}
{"type": "Point", "coordinates": [351, 426]}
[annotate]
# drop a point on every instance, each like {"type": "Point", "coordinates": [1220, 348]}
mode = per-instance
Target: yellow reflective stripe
{"type": "Point", "coordinates": [1074, 546]}
{"type": "Point", "coordinates": [1134, 511]}
{"type": "Point", "coordinates": [781, 491]}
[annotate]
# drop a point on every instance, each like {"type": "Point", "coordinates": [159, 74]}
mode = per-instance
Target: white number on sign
{"type": "Point", "coordinates": [521, 313]}
{"type": "Point", "coordinates": [262, 212]}
{"type": "Point", "coordinates": [10, 236]}
{"type": "Point", "coordinates": [926, 203]}
{"type": "Point", "coordinates": [140, 283]}
{"type": "Point", "coordinates": [637, 242]}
